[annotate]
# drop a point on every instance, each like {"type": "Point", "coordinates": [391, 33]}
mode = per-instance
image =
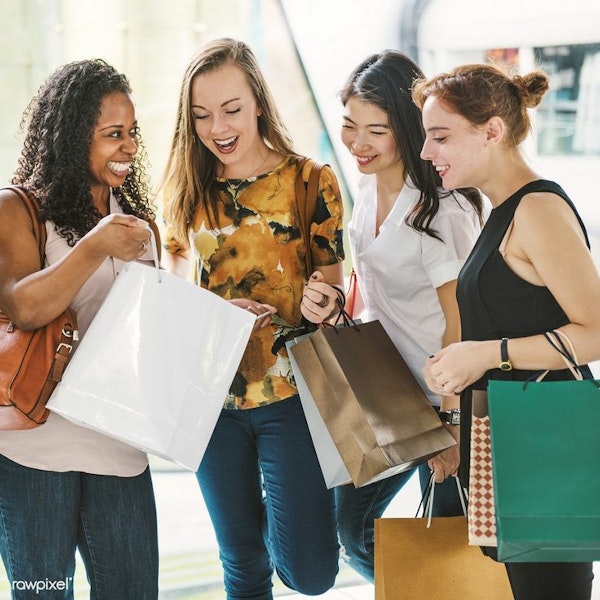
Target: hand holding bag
{"type": "Point", "coordinates": [377, 415]}
{"type": "Point", "coordinates": [546, 466]}
{"type": "Point", "coordinates": [155, 366]}
{"type": "Point", "coordinates": [32, 362]}
{"type": "Point", "coordinates": [430, 558]}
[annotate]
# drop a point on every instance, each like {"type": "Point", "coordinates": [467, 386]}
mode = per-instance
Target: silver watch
{"type": "Point", "coordinates": [450, 417]}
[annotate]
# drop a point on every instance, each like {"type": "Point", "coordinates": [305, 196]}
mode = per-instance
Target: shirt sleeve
{"type": "Point", "coordinates": [326, 228]}
{"type": "Point", "coordinates": [457, 224]}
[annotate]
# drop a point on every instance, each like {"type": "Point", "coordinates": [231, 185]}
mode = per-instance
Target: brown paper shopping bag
{"type": "Point", "coordinates": [374, 409]}
{"type": "Point", "coordinates": [414, 562]}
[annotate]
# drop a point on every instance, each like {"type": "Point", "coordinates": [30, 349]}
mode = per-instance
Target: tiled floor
{"type": "Point", "coordinates": [184, 524]}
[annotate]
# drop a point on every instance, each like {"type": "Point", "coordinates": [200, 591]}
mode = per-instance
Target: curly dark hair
{"type": "Point", "coordinates": [54, 163]}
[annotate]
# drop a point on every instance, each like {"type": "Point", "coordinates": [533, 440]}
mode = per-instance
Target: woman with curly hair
{"type": "Point", "coordinates": [63, 487]}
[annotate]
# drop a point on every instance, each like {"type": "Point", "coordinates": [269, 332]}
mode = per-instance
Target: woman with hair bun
{"type": "Point", "coordinates": [530, 271]}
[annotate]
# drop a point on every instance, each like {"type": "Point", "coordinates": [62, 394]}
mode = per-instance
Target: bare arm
{"type": "Point", "coordinates": [178, 264]}
{"type": "Point", "coordinates": [546, 247]}
{"type": "Point", "coordinates": [447, 462]}
{"type": "Point", "coordinates": [32, 297]}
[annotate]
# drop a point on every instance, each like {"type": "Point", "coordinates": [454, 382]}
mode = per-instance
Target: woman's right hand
{"type": "Point", "coordinates": [124, 237]}
{"type": "Point", "coordinates": [263, 312]}
{"type": "Point", "coordinates": [459, 365]}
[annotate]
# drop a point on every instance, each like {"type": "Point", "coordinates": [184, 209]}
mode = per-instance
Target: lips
{"type": "Point", "coordinates": [226, 146]}
{"type": "Point", "coordinates": [441, 169]}
{"type": "Point", "coordinates": [119, 168]}
{"type": "Point", "coordinates": [363, 161]}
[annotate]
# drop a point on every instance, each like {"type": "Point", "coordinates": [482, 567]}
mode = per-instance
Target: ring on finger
{"type": "Point", "coordinates": [324, 301]}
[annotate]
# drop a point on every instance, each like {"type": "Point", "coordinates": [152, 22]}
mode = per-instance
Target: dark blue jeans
{"type": "Point", "coordinates": [45, 516]}
{"type": "Point", "coordinates": [268, 502]}
{"type": "Point", "coordinates": [357, 508]}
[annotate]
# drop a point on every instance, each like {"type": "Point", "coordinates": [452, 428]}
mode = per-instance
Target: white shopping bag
{"type": "Point", "coordinates": [155, 365]}
{"type": "Point", "coordinates": [332, 465]}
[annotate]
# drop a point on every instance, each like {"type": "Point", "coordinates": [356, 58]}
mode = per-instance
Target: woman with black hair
{"type": "Point", "coordinates": [62, 487]}
{"type": "Point", "coordinates": [409, 239]}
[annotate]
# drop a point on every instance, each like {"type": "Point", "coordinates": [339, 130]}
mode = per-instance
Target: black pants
{"type": "Point", "coordinates": [550, 581]}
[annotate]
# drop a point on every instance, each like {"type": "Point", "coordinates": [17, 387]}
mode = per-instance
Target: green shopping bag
{"type": "Point", "coordinates": [546, 469]}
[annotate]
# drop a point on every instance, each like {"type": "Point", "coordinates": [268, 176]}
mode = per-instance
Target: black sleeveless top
{"type": "Point", "coordinates": [494, 302]}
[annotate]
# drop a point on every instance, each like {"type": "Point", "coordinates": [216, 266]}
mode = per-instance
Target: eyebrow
{"type": "Point", "coordinates": [437, 128]}
{"type": "Point", "coordinates": [115, 126]}
{"type": "Point", "coordinates": [368, 125]}
{"type": "Point", "coordinates": [222, 104]}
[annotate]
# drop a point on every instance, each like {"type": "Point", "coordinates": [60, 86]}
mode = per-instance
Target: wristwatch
{"type": "Point", "coordinates": [450, 417]}
{"type": "Point", "coordinates": [505, 364]}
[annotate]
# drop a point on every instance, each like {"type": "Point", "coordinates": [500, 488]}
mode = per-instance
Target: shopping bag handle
{"type": "Point", "coordinates": [426, 503]}
{"type": "Point", "coordinates": [345, 317]}
{"type": "Point", "coordinates": [562, 343]}
{"type": "Point", "coordinates": [154, 246]}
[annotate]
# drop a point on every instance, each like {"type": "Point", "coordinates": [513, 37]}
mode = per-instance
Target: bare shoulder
{"type": "Point", "coordinates": [13, 210]}
{"type": "Point", "coordinates": [545, 209]}
{"type": "Point", "coordinates": [545, 219]}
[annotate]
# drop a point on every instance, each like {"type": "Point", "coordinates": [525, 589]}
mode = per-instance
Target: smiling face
{"type": "Point", "coordinates": [456, 147]}
{"type": "Point", "coordinates": [114, 145]}
{"type": "Point", "coordinates": [367, 135]}
{"type": "Point", "coordinates": [226, 119]}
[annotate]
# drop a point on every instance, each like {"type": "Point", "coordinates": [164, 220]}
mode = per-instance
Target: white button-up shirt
{"type": "Point", "coordinates": [399, 270]}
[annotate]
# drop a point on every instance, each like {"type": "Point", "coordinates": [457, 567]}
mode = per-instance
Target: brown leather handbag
{"type": "Point", "coordinates": [32, 362]}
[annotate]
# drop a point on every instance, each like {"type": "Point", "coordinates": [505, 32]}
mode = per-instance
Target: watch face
{"type": "Point", "coordinates": [451, 417]}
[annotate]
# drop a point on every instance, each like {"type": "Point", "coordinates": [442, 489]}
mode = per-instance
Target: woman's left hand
{"type": "Point", "coordinates": [459, 365]}
{"type": "Point", "coordinates": [318, 299]}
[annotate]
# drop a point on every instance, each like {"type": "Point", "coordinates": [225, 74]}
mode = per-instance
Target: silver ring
{"type": "Point", "coordinates": [324, 301]}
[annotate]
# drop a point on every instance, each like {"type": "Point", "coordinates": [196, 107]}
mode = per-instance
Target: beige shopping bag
{"type": "Point", "coordinates": [414, 562]}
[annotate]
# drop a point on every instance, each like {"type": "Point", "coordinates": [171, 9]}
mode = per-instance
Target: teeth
{"type": "Point", "coordinates": [119, 167]}
{"type": "Point", "coordinates": [441, 167]}
{"type": "Point", "coordinates": [225, 143]}
{"type": "Point", "coordinates": [363, 160]}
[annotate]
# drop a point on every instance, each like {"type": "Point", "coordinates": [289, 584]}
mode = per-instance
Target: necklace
{"type": "Point", "coordinates": [234, 188]}
{"type": "Point", "coordinates": [236, 185]}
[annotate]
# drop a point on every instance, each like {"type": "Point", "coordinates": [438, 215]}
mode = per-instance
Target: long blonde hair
{"type": "Point", "coordinates": [189, 177]}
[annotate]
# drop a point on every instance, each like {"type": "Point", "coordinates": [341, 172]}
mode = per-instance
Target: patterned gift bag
{"type": "Point", "coordinates": [481, 513]}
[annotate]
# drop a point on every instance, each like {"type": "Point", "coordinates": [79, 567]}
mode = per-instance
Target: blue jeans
{"type": "Point", "coordinates": [268, 502]}
{"type": "Point", "coordinates": [45, 516]}
{"type": "Point", "coordinates": [358, 507]}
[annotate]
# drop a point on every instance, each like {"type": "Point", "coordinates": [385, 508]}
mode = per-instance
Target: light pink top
{"type": "Point", "coordinates": [59, 445]}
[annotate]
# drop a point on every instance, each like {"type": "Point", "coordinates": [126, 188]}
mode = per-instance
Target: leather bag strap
{"type": "Point", "coordinates": [306, 198]}
{"type": "Point", "coordinates": [39, 228]}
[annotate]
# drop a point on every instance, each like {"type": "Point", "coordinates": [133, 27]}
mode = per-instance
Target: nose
{"type": "Point", "coordinates": [218, 124]}
{"type": "Point", "coordinates": [426, 151]}
{"type": "Point", "coordinates": [359, 142]}
{"type": "Point", "coordinates": [130, 144]}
